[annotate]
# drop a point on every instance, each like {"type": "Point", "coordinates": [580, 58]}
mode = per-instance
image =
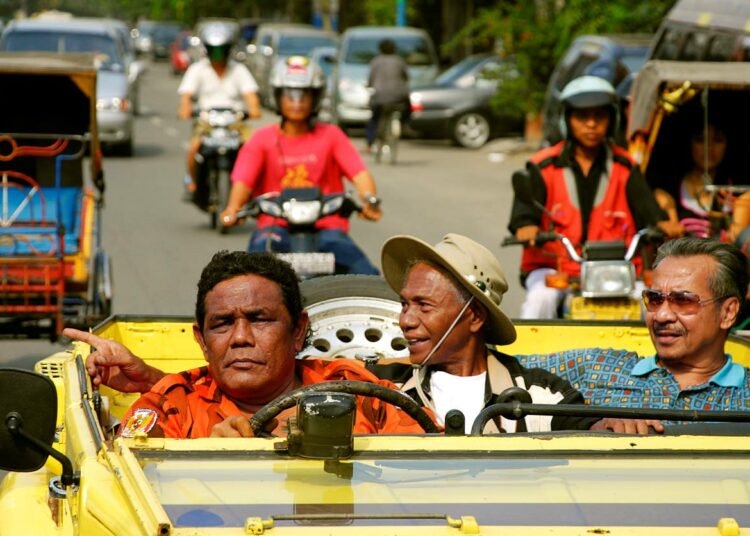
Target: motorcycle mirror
{"type": "Point", "coordinates": [529, 188]}
{"type": "Point", "coordinates": [524, 188]}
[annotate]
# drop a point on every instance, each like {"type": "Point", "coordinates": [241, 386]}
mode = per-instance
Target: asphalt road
{"type": "Point", "coordinates": [159, 244]}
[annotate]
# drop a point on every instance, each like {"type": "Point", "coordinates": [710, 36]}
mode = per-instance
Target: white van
{"type": "Point", "coordinates": [358, 47]}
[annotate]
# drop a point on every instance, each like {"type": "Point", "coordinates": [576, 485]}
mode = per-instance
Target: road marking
{"type": "Point", "coordinates": [171, 131]}
{"type": "Point", "coordinates": [157, 121]}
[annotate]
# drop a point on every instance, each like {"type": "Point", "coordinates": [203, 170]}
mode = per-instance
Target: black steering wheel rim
{"type": "Point", "coordinates": [261, 417]}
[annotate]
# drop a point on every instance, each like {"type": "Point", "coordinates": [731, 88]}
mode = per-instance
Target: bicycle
{"type": "Point", "coordinates": [388, 132]}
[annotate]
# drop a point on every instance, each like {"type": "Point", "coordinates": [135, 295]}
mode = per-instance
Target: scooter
{"type": "Point", "coordinates": [301, 208]}
{"type": "Point", "coordinates": [607, 283]}
{"type": "Point", "coordinates": [218, 151]}
{"type": "Point", "coordinates": [606, 286]}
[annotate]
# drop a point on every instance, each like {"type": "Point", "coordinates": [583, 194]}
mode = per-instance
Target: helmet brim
{"type": "Point", "coordinates": [593, 99]}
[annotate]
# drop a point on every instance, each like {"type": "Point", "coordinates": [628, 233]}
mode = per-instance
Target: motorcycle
{"type": "Point", "coordinates": [301, 208]}
{"type": "Point", "coordinates": [607, 283]}
{"type": "Point", "coordinates": [218, 151]}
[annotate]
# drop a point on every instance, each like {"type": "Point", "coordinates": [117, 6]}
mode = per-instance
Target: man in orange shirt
{"type": "Point", "coordinates": [250, 325]}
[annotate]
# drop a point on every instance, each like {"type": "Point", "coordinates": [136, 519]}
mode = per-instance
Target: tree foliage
{"type": "Point", "coordinates": [537, 33]}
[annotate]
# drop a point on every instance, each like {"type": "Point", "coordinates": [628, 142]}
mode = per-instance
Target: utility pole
{"type": "Point", "coordinates": [400, 12]}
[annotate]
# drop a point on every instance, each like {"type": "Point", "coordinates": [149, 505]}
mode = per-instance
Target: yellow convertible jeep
{"type": "Point", "coordinates": [695, 479]}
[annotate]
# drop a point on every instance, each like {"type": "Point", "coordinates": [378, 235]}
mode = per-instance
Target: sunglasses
{"type": "Point", "coordinates": [681, 302]}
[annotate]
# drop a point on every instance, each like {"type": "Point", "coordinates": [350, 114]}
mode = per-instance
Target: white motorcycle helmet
{"type": "Point", "coordinates": [297, 72]}
{"type": "Point", "coordinates": [218, 40]}
{"type": "Point", "coordinates": [588, 92]}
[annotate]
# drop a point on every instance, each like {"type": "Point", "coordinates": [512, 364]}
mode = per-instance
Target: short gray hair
{"type": "Point", "coordinates": [731, 275]}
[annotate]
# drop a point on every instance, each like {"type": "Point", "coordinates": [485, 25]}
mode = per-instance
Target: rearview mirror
{"type": "Point", "coordinates": [528, 188]}
{"type": "Point", "coordinates": [27, 401]}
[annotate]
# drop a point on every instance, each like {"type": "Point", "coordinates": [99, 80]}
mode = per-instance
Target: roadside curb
{"type": "Point", "coordinates": [498, 150]}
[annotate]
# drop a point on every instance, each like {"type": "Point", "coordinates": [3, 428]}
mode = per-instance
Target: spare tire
{"type": "Point", "coordinates": [352, 316]}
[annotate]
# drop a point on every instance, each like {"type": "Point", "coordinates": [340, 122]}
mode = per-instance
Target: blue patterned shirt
{"type": "Point", "coordinates": [608, 377]}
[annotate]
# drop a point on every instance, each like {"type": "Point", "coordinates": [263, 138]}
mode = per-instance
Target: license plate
{"type": "Point", "coordinates": [310, 263]}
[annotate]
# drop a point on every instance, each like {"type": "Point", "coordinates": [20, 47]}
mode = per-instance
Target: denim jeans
{"type": "Point", "coordinates": [349, 258]}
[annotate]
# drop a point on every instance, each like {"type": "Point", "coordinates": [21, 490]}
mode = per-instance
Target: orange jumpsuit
{"type": "Point", "coordinates": [188, 404]}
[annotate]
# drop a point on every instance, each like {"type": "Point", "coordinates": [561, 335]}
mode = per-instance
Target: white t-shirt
{"type": "Point", "coordinates": [464, 393]}
{"type": "Point", "coordinates": [203, 83]}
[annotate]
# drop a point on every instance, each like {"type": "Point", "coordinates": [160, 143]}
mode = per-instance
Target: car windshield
{"type": "Point", "coordinates": [102, 46]}
{"type": "Point", "coordinates": [413, 48]}
{"type": "Point", "coordinates": [634, 59]}
{"type": "Point", "coordinates": [209, 489]}
{"type": "Point", "coordinates": [301, 45]}
{"type": "Point", "coordinates": [450, 76]}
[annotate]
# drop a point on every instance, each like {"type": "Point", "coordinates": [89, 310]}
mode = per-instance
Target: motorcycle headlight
{"type": "Point", "coordinates": [301, 212]}
{"type": "Point", "coordinates": [113, 104]}
{"type": "Point", "coordinates": [607, 279]}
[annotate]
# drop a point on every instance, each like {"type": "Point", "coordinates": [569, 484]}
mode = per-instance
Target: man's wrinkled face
{"type": "Point", "coordinates": [588, 126]}
{"type": "Point", "coordinates": [248, 339]}
{"type": "Point", "coordinates": [429, 304]}
{"type": "Point", "coordinates": [689, 336]}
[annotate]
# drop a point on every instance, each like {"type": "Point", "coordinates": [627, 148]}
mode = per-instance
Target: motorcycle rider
{"type": "Point", "coordinates": [298, 153]}
{"type": "Point", "coordinates": [215, 82]}
{"type": "Point", "coordinates": [593, 190]}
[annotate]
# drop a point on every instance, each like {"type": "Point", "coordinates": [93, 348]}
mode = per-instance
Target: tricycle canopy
{"type": "Point", "coordinates": [48, 94]}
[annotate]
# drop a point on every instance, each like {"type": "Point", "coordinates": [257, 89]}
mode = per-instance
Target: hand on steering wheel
{"type": "Point", "coordinates": [397, 398]}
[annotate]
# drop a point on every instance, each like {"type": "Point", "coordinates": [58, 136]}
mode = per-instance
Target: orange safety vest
{"type": "Point", "coordinates": [610, 218]}
{"type": "Point", "coordinates": [188, 404]}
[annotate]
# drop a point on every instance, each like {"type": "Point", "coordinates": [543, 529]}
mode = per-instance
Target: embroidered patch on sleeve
{"type": "Point", "coordinates": [142, 420]}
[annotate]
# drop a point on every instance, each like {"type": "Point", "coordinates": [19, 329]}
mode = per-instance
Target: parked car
{"type": "Point", "coordinates": [359, 46]}
{"type": "Point", "coordinates": [178, 53]}
{"type": "Point", "coordinates": [457, 106]}
{"type": "Point", "coordinates": [325, 57]}
{"type": "Point", "coordinates": [704, 30]}
{"type": "Point", "coordinates": [142, 37]}
{"type": "Point", "coordinates": [275, 42]}
{"type": "Point", "coordinates": [134, 67]}
{"type": "Point", "coordinates": [611, 57]}
{"type": "Point", "coordinates": [162, 37]}
{"type": "Point", "coordinates": [114, 100]}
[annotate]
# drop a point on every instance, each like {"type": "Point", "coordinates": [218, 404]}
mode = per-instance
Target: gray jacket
{"type": "Point", "coordinates": [389, 78]}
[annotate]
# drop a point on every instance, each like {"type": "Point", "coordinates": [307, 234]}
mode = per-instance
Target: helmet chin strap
{"type": "Point", "coordinates": [418, 367]}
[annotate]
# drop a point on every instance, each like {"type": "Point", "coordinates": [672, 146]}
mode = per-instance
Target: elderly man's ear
{"type": "Point", "coordinates": [478, 317]}
{"type": "Point", "coordinates": [729, 311]}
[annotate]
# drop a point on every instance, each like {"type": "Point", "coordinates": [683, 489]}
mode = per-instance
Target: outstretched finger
{"type": "Point", "coordinates": [83, 336]}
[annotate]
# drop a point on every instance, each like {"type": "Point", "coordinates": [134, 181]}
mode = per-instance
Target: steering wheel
{"type": "Point", "coordinates": [390, 396]}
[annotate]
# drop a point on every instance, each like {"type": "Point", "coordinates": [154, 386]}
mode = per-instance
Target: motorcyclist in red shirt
{"type": "Point", "coordinates": [299, 153]}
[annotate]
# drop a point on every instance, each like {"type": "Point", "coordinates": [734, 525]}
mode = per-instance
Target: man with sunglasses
{"type": "Point", "coordinates": [301, 153]}
{"type": "Point", "coordinates": [699, 287]}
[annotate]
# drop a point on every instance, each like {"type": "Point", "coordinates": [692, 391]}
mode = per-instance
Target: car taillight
{"type": "Point", "coordinates": [415, 100]}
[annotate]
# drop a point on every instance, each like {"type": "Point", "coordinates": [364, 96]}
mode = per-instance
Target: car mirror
{"type": "Point", "coordinates": [28, 416]}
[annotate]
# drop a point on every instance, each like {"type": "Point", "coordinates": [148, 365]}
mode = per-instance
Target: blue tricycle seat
{"type": "Point", "coordinates": [25, 237]}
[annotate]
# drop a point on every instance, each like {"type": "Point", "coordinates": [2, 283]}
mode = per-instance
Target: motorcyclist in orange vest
{"type": "Point", "coordinates": [593, 190]}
